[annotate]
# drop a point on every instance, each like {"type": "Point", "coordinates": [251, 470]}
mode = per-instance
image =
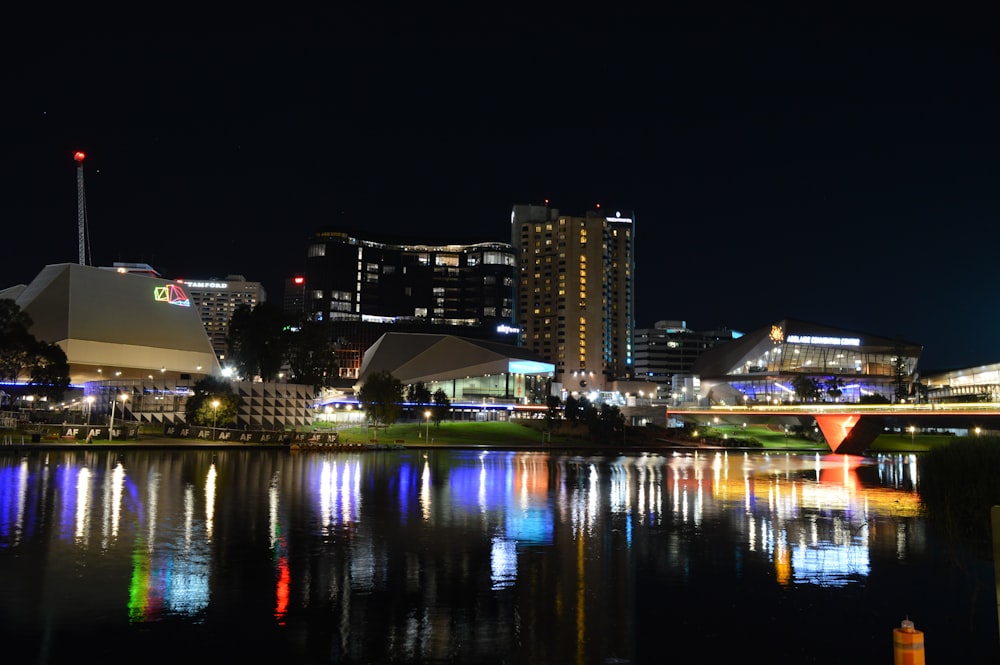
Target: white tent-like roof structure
{"type": "Point", "coordinates": [116, 325]}
{"type": "Point", "coordinates": [416, 357]}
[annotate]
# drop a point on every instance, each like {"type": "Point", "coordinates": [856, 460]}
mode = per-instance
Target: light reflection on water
{"type": "Point", "coordinates": [465, 556]}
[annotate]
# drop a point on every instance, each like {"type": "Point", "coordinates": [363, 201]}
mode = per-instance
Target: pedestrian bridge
{"type": "Point", "coordinates": [850, 429]}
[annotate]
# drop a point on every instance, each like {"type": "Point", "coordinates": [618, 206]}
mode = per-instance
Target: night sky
{"type": "Point", "coordinates": [837, 169]}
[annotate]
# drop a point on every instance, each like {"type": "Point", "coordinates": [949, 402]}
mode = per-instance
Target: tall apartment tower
{"type": "Point", "coordinates": [575, 302]}
{"type": "Point", "coordinates": [217, 300]}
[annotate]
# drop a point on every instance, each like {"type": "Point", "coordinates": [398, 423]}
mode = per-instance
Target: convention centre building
{"type": "Point", "coordinates": [763, 366]}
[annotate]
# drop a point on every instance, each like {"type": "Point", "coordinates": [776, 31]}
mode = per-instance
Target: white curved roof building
{"type": "Point", "coordinates": [117, 326]}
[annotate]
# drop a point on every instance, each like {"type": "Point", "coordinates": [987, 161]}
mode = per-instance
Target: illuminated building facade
{"type": "Point", "coordinates": [575, 302]}
{"type": "Point", "coordinates": [669, 349]}
{"type": "Point", "coordinates": [764, 366]}
{"type": "Point", "coordinates": [217, 299]}
{"type": "Point", "coordinates": [971, 384]}
{"type": "Point", "coordinates": [470, 372]}
{"type": "Point", "coordinates": [366, 287]}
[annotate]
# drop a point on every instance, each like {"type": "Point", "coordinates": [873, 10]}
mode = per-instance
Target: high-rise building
{"type": "Point", "coordinates": [366, 286]}
{"type": "Point", "coordinates": [217, 300]}
{"type": "Point", "coordinates": [575, 302]}
{"type": "Point", "coordinates": [293, 300]}
{"type": "Point", "coordinates": [669, 349]}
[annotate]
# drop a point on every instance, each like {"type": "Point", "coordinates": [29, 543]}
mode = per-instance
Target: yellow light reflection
{"type": "Point", "coordinates": [117, 491]}
{"type": "Point", "coordinates": [425, 492]}
{"type": "Point", "coordinates": [210, 501]}
{"type": "Point", "coordinates": [82, 505]}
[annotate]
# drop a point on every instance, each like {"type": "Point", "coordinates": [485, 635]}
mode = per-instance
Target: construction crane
{"type": "Point", "coordinates": [81, 208]}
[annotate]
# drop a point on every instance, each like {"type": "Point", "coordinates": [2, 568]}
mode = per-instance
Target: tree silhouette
{"type": "Point", "coordinates": [381, 396]}
{"type": "Point", "coordinates": [442, 407]}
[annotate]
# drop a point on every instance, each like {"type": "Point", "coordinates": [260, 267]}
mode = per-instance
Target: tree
{"type": "Point", "coordinates": [442, 407]}
{"type": "Point", "coordinates": [44, 363]}
{"type": "Point", "coordinates": [572, 410]}
{"type": "Point", "coordinates": [834, 387]}
{"type": "Point", "coordinates": [609, 422]}
{"type": "Point", "coordinates": [198, 409]}
{"type": "Point", "coordinates": [552, 415]}
{"type": "Point", "coordinates": [257, 340]}
{"type": "Point", "coordinates": [418, 393]}
{"type": "Point", "coordinates": [381, 396]}
{"type": "Point", "coordinates": [16, 343]}
{"type": "Point", "coordinates": [48, 370]}
{"type": "Point", "coordinates": [806, 388]}
{"type": "Point", "coordinates": [311, 354]}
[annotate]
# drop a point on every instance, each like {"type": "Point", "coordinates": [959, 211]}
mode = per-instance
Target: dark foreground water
{"type": "Point", "coordinates": [476, 557]}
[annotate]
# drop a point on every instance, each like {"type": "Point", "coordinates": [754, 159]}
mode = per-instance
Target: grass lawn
{"type": "Point", "coordinates": [528, 432]}
{"type": "Point", "coordinates": [455, 433]}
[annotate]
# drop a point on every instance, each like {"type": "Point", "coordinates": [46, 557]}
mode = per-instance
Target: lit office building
{"type": "Point", "coordinates": [367, 287]}
{"type": "Point", "coordinates": [217, 299]}
{"type": "Point", "coordinates": [575, 293]}
{"type": "Point", "coordinates": [669, 349]}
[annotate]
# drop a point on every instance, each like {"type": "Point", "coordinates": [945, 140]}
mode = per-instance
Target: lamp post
{"type": "Point", "coordinates": [215, 415]}
{"type": "Point", "coordinates": [90, 405]}
{"type": "Point", "coordinates": [427, 429]}
{"type": "Point", "coordinates": [111, 426]}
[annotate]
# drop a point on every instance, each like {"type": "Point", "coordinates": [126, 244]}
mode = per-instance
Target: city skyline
{"type": "Point", "coordinates": [810, 167]}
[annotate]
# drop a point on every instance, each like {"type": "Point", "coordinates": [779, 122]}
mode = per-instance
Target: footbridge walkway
{"type": "Point", "coordinates": [850, 429]}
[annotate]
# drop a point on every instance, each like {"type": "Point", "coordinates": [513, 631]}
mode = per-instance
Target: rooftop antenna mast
{"type": "Point", "coordinates": [81, 207]}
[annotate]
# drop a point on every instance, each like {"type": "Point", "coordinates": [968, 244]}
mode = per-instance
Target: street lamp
{"type": "Point", "coordinates": [215, 415]}
{"type": "Point", "coordinates": [90, 405]}
{"type": "Point", "coordinates": [427, 429]}
{"type": "Point", "coordinates": [111, 426]}
{"type": "Point", "coordinates": [912, 430]}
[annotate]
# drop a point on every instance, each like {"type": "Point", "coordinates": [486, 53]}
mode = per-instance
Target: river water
{"type": "Point", "coordinates": [470, 556]}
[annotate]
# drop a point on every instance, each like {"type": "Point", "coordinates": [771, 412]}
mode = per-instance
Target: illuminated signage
{"type": "Point", "coordinates": [826, 341]}
{"type": "Point", "coordinates": [171, 293]}
{"type": "Point", "coordinates": [207, 285]}
{"type": "Point", "coordinates": [503, 329]}
{"type": "Point", "coordinates": [777, 334]}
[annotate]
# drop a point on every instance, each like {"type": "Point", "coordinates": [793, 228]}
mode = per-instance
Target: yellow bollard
{"type": "Point", "coordinates": [907, 644]}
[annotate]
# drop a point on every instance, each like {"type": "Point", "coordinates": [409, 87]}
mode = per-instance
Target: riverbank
{"type": "Point", "coordinates": [515, 435]}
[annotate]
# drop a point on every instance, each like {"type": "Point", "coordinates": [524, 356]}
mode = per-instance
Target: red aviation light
{"type": "Point", "coordinates": [299, 280]}
{"type": "Point", "coordinates": [78, 156]}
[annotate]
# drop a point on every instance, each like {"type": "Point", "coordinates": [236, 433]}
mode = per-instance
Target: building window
{"type": "Point", "coordinates": [446, 260]}
{"type": "Point", "coordinates": [317, 250]}
{"type": "Point", "coordinates": [498, 258]}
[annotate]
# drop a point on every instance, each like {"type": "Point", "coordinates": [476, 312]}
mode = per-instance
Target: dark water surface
{"type": "Point", "coordinates": [173, 556]}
